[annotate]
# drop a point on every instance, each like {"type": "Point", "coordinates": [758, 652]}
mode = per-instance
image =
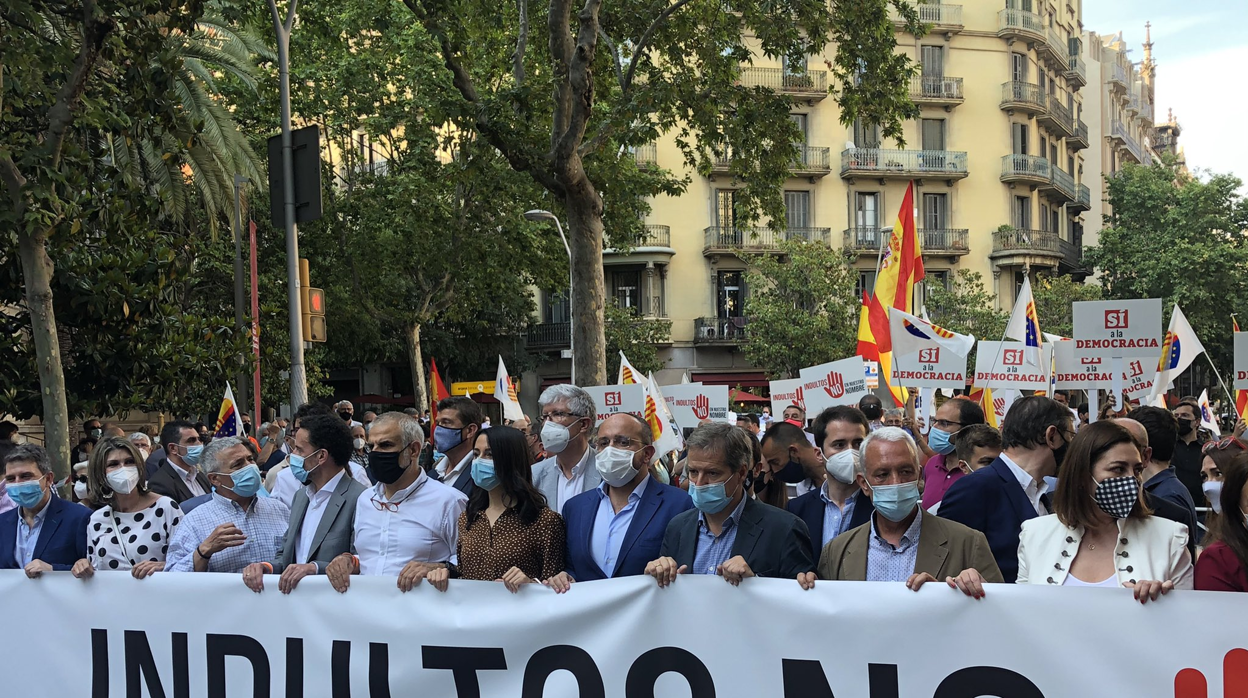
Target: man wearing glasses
{"type": "Point", "coordinates": [406, 524]}
{"type": "Point", "coordinates": [943, 469]}
{"type": "Point", "coordinates": [568, 415]}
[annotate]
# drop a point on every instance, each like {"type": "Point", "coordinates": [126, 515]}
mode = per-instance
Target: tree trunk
{"type": "Point", "coordinates": [417, 362]}
{"type": "Point", "coordinates": [589, 355]}
{"type": "Point", "coordinates": [37, 272]}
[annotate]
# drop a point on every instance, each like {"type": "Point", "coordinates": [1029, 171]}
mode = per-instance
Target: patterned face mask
{"type": "Point", "coordinates": [1117, 496]}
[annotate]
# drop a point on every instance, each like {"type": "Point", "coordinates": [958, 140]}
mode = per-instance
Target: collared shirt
{"type": "Point", "coordinates": [28, 536]}
{"type": "Point", "coordinates": [886, 563]}
{"type": "Point", "coordinates": [189, 479]}
{"type": "Point", "coordinates": [263, 523]}
{"type": "Point", "coordinates": [569, 487]}
{"type": "Point", "coordinates": [713, 550]}
{"type": "Point", "coordinates": [312, 519]}
{"type": "Point", "coordinates": [610, 526]}
{"type": "Point", "coordinates": [5, 502]}
{"type": "Point", "coordinates": [450, 476]}
{"type": "Point", "coordinates": [285, 485]}
{"type": "Point", "coordinates": [423, 528]}
{"type": "Point", "coordinates": [835, 519]}
{"type": "Point", "coordinates": [938, 476]}
{"type": "Point", "coordinates": [1032, 488]}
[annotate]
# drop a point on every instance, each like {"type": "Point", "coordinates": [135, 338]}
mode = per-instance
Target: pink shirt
{"type": "Point", "coordinates": [937, 479]}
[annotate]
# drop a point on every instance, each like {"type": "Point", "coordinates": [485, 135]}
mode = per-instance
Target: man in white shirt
{"type": "Point", "coordinates": [284, 485]}
{"type": "Point", "coordinates": [568, 415]}
{"type": "Point", "coordinates": [455, 430]}
{"type": "Point", "coordinates": [407, 524]}
{"type": "Point", "coordinates": [178, 477]}
{"type": "Point", "coordinates": [346, 410]}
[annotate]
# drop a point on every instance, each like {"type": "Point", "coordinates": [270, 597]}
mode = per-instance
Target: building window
{"type": "Point", "coordinates": [1021, 136]}
{"type": "Point", "coordinates": [1044, 146]}
{"type": "Point", "coordinates": [730, 289]}
{"type": "Point", "coordinates": [934, 280]}
{"type": "Point", "coordinates": [557, 309]}
{"type": "Point", "coordinates": [1053, 152]}
{"type": "Point", "coordinates": [1044, 217]}
{"type": "Point", "coordinates": [866, 283]}
{"type": "Point", "coordinates": [866, 135]}
{"type": "Point", "coordinates": [933, 134]}
{"type": "Point", "coordinates": [625, 285]}
{"type": "Point", "coordinates": [797, 209]}
{"type": "Point", "coordinates": [1018, 67]}
{"type": "Point", "coordinates": [932, 59]}
{"type": "Point", "coordinates": [867, 213]}
{"type": "Point", "coordinates": [935, 211]}
{"type": "Point", "coordinates": [1022, 212]}
{"type": "Point", "coordinates": [1055, 221]}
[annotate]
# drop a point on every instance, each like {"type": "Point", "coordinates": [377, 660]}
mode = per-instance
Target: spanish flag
{"type": "Point", "coordinates": [437, 392]}
{"type": "Point", "coordinates": [901, 267]}
{"type": "Point", "coordinates": [1241, 396]}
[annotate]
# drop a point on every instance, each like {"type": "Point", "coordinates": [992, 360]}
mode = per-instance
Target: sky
{"type": "Point", "coordinates": [1200, 49]}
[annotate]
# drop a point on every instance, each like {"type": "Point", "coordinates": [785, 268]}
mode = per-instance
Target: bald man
{"type": "Point", "coordinates": [1161, 507]}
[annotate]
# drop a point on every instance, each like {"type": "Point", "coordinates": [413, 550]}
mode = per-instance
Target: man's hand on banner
{"type": "Point", "coordinates": [412, 574]}
{"type": "Point", "coordinates": [253, 576]}
{"type": "Point", "coordinates": [514, 578]}
{"type": "Point", "coordinates": [147, 568]}
{"type": "Point", "coordinates": [806, 580]}
{"type": "Point", "coordinates": [292, 574]}
{"type": "Point", "coordinates": [735, 570]}
{"type": "Point", "coordinates": [1150, 589]}
{"type": "Point", "coordinates": [560, 583]}
{"type": "Point", "coordinates": [339, 571]}
{"type": "Point", "coordinates": [82, 569]}
{"type": "Point", "coordinates": [970, 582]}
{"type": "Point", "coordinates": [665, 570]}
{"type": "Point", "coordinates": [36, 568]}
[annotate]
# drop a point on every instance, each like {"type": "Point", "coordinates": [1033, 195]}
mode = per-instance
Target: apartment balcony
{"type": "Point", "coordinates": [1076, 72]}
{"type": "Point", "coordinates": [941, 18]}
{"type": "Point", "coordinates": [1083, 199]}
{"type": "Point", "coordinates": [953, 242]}
{"type": "Point", "coordinates": [1071, 261]}
{"type": "Point", "coordinates": [1133, 103]}
{"type": "Point", "coordinates": [1079, 140]}
{"type": "Point", "coordinates": [1061, 186]}
{"type": "Point", "coordinates": [720, 330]}
{"type": "Point", "coordinates": [550, 335]}
{"type": "Point", "coordinates": [1025, 169]}
{"type": "Point", "coordinates": [756, 240]}
{"type": "Point", "coordinates": [654, 245]}
{"type": "Point", "coordinates": [811, 161]}
{"type": "Point", "coordinates": [811, 85]}
{"type": "Point", "coordinates": [1025, 97]}
{"type": "Point", "coordinates": [646, 155]}
{"type": "Point", "coordinates": [863, 240]}
{"type": "Point", "coordinates": [1117, 78]}
{"type": "Point", "coordinates": [1055, 50]}
{"type": "Point", "coordinates": [881, 164]}
{"type": "Point", "coordinates": [937, 91]}
{"type": "Point", "coordinates": [1057, 118]}
{"type": "Point", "coordinates": [1012, 246]}
{"type": "Point", "coordinates": [1118, 132]}
{"type": "Point", "coordinates": [1021, 25]}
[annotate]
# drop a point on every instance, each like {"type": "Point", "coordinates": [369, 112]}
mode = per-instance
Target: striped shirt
{"type": "Point", "coordinates": [264, 524]}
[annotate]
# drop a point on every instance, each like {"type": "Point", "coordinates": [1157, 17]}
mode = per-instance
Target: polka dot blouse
{"type": "Point", "coordinates": [486, 552]}
{"type": "Point", "coordinates": [120, 540]}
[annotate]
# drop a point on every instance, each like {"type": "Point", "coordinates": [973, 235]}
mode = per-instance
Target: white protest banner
{"type": "Point", "coordinates": [785, 393]}
{"type": "Point", "coordinates": [1241, 360]}
{"type": "Point", "coordinates": [1139, 376]}
{"type": "Point", "coordinates": [841, 382]}
{"type": "Point", "coordinates": [622, 638]}
{"type": "Point", "coordinates": [1125, 328]}
{"type": "Point", "coordinates": [1004, 365]}
{"type": "Point", "coordinates": [1079, 373]}
{"type": "Point", "coordinates": [613, 399]}
{"type": "Point", "coordinates": [690, 403]}
{"type": "Point", "coordinates": [934, 367]}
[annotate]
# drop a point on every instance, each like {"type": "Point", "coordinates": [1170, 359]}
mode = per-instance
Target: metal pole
{"type": "Point", "coordinates": [571, 303]}
{"type": "Point", "coordinates": [298, 378]}
{"type": "Point", "coordinates": [239, 320]}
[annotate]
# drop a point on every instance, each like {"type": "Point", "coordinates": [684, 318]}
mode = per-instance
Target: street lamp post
{"type": "Point", "coordinates": [539, 215]}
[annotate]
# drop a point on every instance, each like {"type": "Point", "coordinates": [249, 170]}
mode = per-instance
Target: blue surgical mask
{"type": "Point", "coordinates": [895, 502]}
{"type": "Point", "coordinates": [246, 481]}
{"type": "Point", "coordinates": [710, 499]}
{"type": "Point", "coordinates": [297, 469]}
{"type": "Point", "coordinates": [940, 441]}
{"type": "Point", "coordinates": [26, 495]}
{"type": "Point", "coordinates": [483, 474]}
{"type": "Point", "coordinates": [445, 439]}
{"type": "Point", "coordinates": [192, 455]}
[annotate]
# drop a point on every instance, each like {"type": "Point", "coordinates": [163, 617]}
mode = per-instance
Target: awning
{"type": "Point", "coordinates": [750, 379]}
{"type": "Point", "coordinates": [743, 396]}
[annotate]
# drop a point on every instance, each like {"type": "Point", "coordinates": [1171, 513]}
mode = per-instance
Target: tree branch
{"type": "Point", "coordinates": [61, 115]}
{"type": "Point", "coordinates": [645, 40]}
{"type": "Point", "coordinates": [561, 48]}
{"type": "Point", "coordinates": [581, 81]}
{"type": "Point", "coordinates": [522, 43]}
{"type": "Point", "coordinates": [615, 56]}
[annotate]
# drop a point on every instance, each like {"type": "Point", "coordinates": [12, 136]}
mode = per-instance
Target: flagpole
{"type": "Point", "coordinates": [1219, 377]}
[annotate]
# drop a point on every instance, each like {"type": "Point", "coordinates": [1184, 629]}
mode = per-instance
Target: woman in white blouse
{"type": "Point", "coordinates": [1101, 533]}
{"type": "Point", "coordinates": [131, 531]}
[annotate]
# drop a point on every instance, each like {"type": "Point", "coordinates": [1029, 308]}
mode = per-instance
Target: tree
{"type": "Point", "coordinates": [565, 113]}
{"type": "Point", "coordinates": [1054, 298]}
{"type": "Point", "coordinates": [802, 309]}
{"type": "Point", "coordinates": [965, 307]}
{"type": "Point", "coordinates": [637, 337]}
{"type": "Point", "coordinates": [1179, 238]}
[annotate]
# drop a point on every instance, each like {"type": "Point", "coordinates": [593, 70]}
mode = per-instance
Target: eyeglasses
{"type": "Point", "coordinates": [945, 424]}
{"type": "Point", "coordinates": [392, 507]}
{"type": "Point", "coordinates": [624, 442]}
{"type": "Point", "coordinates": [1223, 445]}
{"type": "Point", "coordinates": [559, 416]}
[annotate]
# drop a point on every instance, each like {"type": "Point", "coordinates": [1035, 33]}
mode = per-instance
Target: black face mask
{"type": "Point", "coordinates": [385, 466]}
{"type": "Point", "coordinates": [792, 473]}
{"type": "Point", "coordinates": [1059, 453]}
{"type": "Point", "coordinates": [761, 484]}
{"type": "Point", "coordinates": [1186, 426]}
{"type": "Point", "coordinates": [346, 416]}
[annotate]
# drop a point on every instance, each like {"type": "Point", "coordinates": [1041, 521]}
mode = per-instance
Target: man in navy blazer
{"type": "Point", "coordinates": [45, 532]}
{"type": "Point", "coordinates": [839, 503]}
{"type": "Point", "coordinates": [998, 499]}
{"type": "Point", "coordinates": [615, 529]}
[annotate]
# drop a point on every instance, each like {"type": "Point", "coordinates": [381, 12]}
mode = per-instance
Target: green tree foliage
{"type": "Point", "coordinates": [638, 337]}
{"type": "Point", "coordinates": [1054, 298]}
{"type": "Point", "coordinates": [801, 310]}
{"type": "Point", "coordinates": [1179, 238]}
{"type": "Point", "coordinates": [965, 307]}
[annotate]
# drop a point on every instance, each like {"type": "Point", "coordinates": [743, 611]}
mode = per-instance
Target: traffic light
{"type": "Point", "coordinates": [312, 305]}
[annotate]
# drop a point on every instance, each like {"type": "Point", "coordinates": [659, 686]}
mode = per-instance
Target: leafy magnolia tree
{"type": "Point", "coordinates": [802, 308]}
{"type": "Point", "coordinates": [1054, 298]}
{"type": "Point", "coordinates": [1179, 238]}
{"type": "Point", "coordinates": [637, 337]}
{"type": "Point", "coordinates": [562, 91]}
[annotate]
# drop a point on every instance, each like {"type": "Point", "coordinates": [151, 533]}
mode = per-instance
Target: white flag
{"type": "Point", "coordinates": [671, 439]}
{"type": "Point", "coordinates": [1207, 418]}
{"type": "Point", "coordinates": [1025, 324]}
{"type": "Point", "coordinates": [1178, 350]}
{"type": "Point", "coordinates": [505, 393]}
{"type": "Point", "coordinates": [910, 334]}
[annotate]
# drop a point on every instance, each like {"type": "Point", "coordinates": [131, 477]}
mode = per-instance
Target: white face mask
{"type": "Point", "coordinates": [615, 465]}
{"type": "Point", "coordinates": [841, 465]}
{"type": "Point", "coordinates": [123, 480]}
{"type": "Point", "coordinates": [1213, 491]}
{"type": "Point", "coordinates": [359, 444]}
{"type": "Point", "coordinates": [80, 490]}
{"type": "Point", "coordinates": [145, 453]}
{"type": "Point", "coordinates": [555, 436]}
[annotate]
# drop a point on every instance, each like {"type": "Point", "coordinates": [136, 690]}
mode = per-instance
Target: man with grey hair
{"type": "Point", "coordinates": [728, 533]}
{"type": "Point", "coordinates": [900, 543]}
{"type": "Point", "coordinates": [235, 527]}
{"type": "Point", "coordinates": [144, 443]}
{"type": "Point", "coordinates": [568, 416]}
{"type": "Point", "coordinates": [346, 410]}
{"type": "Point", "coordinates": [45, 532]}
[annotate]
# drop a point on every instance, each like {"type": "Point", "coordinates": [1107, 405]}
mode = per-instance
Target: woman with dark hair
{"type": "Point", "coordinates": [132, 528]}
{"type": "Point", "coordinates": [1215, 459]}
{"type": "Point", "coordinates": [507, 534]}
{"type": "Point", "coordinates": [1101, 533]}
{"type": "Point", "coordinates": [1221, 567]}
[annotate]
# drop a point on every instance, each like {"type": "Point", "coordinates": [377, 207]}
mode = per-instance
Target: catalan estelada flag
{"type": "Point", "coordinates": [1024, 323]}
{"type": "Point", "coordinates": [228, 422]}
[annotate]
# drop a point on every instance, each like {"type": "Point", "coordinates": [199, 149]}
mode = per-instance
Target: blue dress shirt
{"type": "Point", "coordinates": [712, 550]}
{"type": "Point", "coordinates": [610, 527]}
{"type": "Point", "coordinates": [835, 519]}
{"type": "Point", "coordinates": [28, 536]}
{"type": "Point", "coordinates": [888, 564]}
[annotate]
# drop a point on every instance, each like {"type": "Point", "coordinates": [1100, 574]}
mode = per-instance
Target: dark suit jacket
{"type": "Point", "coordinates": [1167, 509]}
{"type": "Point", "coordinates": [773, 542]}
{"type": "Point", "coordinates": [945, 549]}
{"type": "Point", "coordinates": [643, 541]}
{"type": "Point", "coordinates": [333, 534]}
{"type": "Point", "coordinates": [991, 501]}
{"type": "Point", "coordinates": [62, 540]}
{"type": "Point", "coordinates": [810, 508]}
{"type": "Point", "coordinates": [168, 481]}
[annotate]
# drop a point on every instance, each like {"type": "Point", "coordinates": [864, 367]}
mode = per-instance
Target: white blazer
{"type": "Point", "coordinates": [1151, 548]}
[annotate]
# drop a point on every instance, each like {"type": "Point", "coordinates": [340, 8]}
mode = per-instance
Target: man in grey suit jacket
{"type": "Point", "coordinates": [322, 516]}
{"type": "Point", "coordinates": [728, 533]}
{"type": "Point", "coordinates": [568, 415]}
